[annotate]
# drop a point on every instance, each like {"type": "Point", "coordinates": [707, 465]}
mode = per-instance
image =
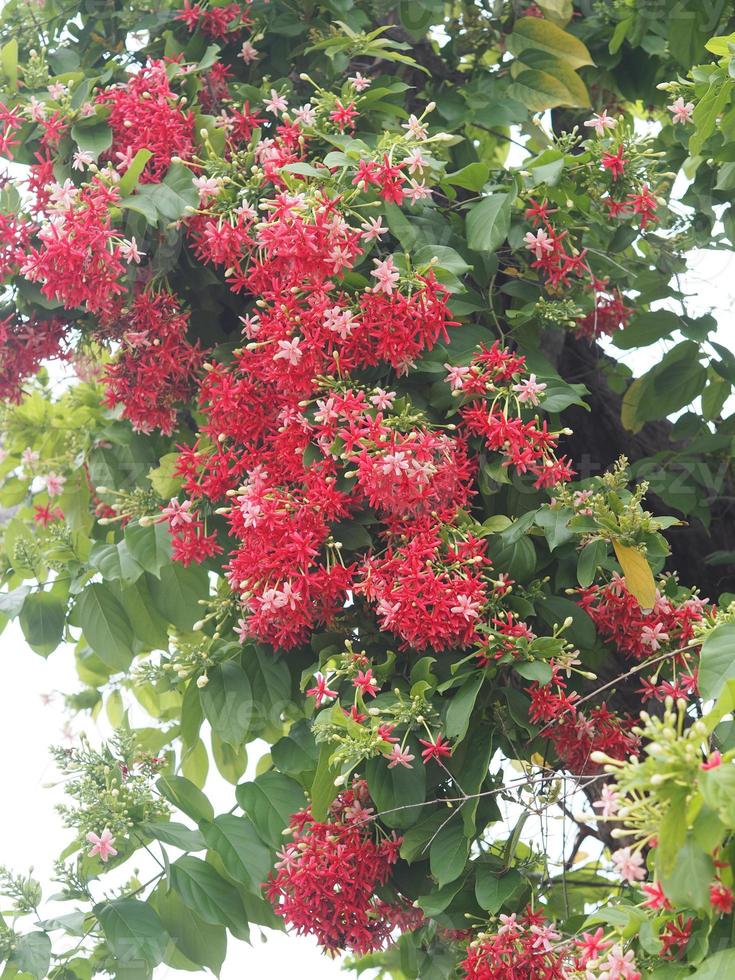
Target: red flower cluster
{"type": "Point", "coordinates": [77, 261]}
{"type": "Point", "coordinates": [15, 234]}
{"type": "Point", "coordinates": [429, 594]}
{"type": "Point", "coordinates": [528, 446]}
{"type": "Point", "coordinates": [146, 114]}
{"type": "Point", "coordinates": [24, 346]}
{"type": "Point", "coordinates": [638, 634]}
{"type": "Point", "coordinates": [218, 23]}
{"type": "Point", "coordinates": [189, 540]}
{"type": "Point", "coordinates": [521, 948]}
{"type": "Point", "coordinates": [609, 315]}
{"type": "Point", "coordinates": [326, 882]}
{"type": "Point", "coordinates": [576, 734]}
{"type": "Point", "coordinates": [156, 367]}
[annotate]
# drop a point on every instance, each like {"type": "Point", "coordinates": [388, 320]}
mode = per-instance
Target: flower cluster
{"type": "Point", "coordinates": [497, 376]}
{"type": "Point", "coordinates": [327, 882]}
{"type": "Point", "coordinates": [156, 366]}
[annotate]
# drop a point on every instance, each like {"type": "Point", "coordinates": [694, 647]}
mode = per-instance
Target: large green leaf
{"type": "Point", "coordinates": [449, 851]}
{"type": "Point", "coordinates": [238, 843]}
{"type": "Point", "coordinates": [492, 888]}
{"type": "Point", "coordinates": [149, 545]}
{"type": "Point", "coordinates": [536, 34]}
{"type": "Point", "coordinates": [717, 660]}
{"type": "Point", "coordinates": [105, 625]}
{"type": "Point", "coordinates": [133, 931]}
{"type": "Point", "coordinates": [269, 801]}
{"type": "Point", "coordinates": [228, 704]}
{"type": "Point", "coordinates": [32, 954]}
{"type": "Point", "coordinates": [42, 619]}
{"type": "Point", "coordinates": [208, 894]}
{"type": "Point", "coordinates": [203, 943]}
{"type": "Point", "coordinates": [176, 593]}
{"type": "Point", "coordinates": [488, 222]}
{"type": "Point", "coordinates": [186, 796]}
{"type": "Point", "coordinates": [399, 792]}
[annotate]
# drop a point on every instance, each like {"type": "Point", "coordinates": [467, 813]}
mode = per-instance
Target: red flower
{"type": "Point", "coordinates": [321, 691]}
{"type": "Point", "coordinates": [656, 898]}
{"type": "Point", "coordinates": [614, 162]}
{"type": "Point", "coordinates": [365, 684]}
{"type": "Point", "coordinates": [438, 749]}
{"type": "Point", "coordinates": [713, 761]}
{"type": "Point", "coordinates": [344, 116]}
{"type": "Point", "coordinates": [721, 898]}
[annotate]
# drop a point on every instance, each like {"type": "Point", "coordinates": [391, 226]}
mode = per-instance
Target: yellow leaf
{"type": "Point", "coordinates": [639, 578]}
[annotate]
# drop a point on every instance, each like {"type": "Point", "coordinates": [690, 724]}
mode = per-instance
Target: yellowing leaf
{"type": "Point", "coordinates": [639, 578]}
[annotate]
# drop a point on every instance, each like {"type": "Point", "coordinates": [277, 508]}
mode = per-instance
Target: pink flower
{"type": "Point", "coordinates": [629, 864]}
{"type": "Point", "coordinates": [102, 845]}
{"type": "Point", "coordinates": [654, 636]}
{"type": "Point", "coordinates": [130, 252]}
{"type": "Point", "coordinates": [592, 944]}
{"type": "Point", "coordinates": [360, 82]}
{"type": "Point", "coordinates": [608, 802]}
{"type": "Point", "coordinates": [386, 274]}
{"type": "Point", "coordinates": [248, 53]}
{"type": "Point", "coordinates": [276, 103]}
{"type": "Point", "coordinates": [400, 757]}
{"type": "Point", "coordinates": [466, 606]}
{"type": "Point", "coordinates": [365, 683]}
{"type": "Point", "coordinates": [288, 350]}
{"type": "Point", "coordinates": [373, 229]}
{"type": "Point", "coordinates": [456, 374]}
{"type": "Point", "coordinates": [681, 111]}
{"type": "Point", "coordinates": [619, 965]}
{"type": "Point", "coordinates": [530, 389]}
{"type": "Point", "coordinates": [600, 121]}
{"type": "Point", "coordinates": [178, 514]}
{"type": "Point", "coordinates": [54, 484]}
{"type": "Point", "coordinates": [540, 243]}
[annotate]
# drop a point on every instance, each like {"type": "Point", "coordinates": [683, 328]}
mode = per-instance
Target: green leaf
{"type": "Point", "coordinates": [555, 523]}
{"type": "Point", "coordinates": [397, 792]}
{"type": "Point", "coordinates": [130, 178]}
{"type": "Point", "coordinates": [32, 954]}
{"type": "Point", "coordinates": [167, 201]}
{"type": "Point", "coordinates": [687, 885]}
{"type": "Point", "coordinates": [647, 328]}
{"type": "Point", "coordinates": [493, 889]}
{"type": "Point", "coordinates": [150, 546]}
{"type": "Point", "coordinates": [105, 626]}
{"type": "Point", "coordinates": [323, 787]}
{"type": "Point", "coordinates": [461, 706]}
{"type": "Point", "coordinates": [717, 966]}
{"type": "Point", "coordinates": [186, 796]}
{"type": "Point", "coordinates": [488, 223]}
{"type": "Point", "coordinates": [42, 620]}
{"type": "Point", "coordinates": [133, 931]}
{"type": "Point", "coordinates": [200, 942]}
{"type": "Point", "coordinates": [717, 660]}
{"type": "Point", "coordinates": [175, 834]}
{"type": "Point", "coordinates": [208, 894]}
{"type": "Point", "coordinates": [238, 843]}
{"type": "Point", "coordinates": [449, 852]}
{"type": "Point", "coordinates": [176, 593]}
{"type": "Point", "coordinates": [92, 136]}
{"type": "Point", "coordinates": [589, 560]}
{"type": "Point", "coordinates": [540, 90]}
{"type": "Point", "coordinates": [115, 563]}
{"type": "Point", "coordinates": [227, 701]}
{"type": "Point", "coordinates": [707, 111]}
{"type": "Point", "coordinates": [536, 34]}
{"type": "Point", "coordinates": [270, 800]}
{"type": "Point", "coordinates": [164, 478]}
{"type": "Point", "coordinates": [9, 63]}
{"type": "Point", "coordinates": [473, 177]}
